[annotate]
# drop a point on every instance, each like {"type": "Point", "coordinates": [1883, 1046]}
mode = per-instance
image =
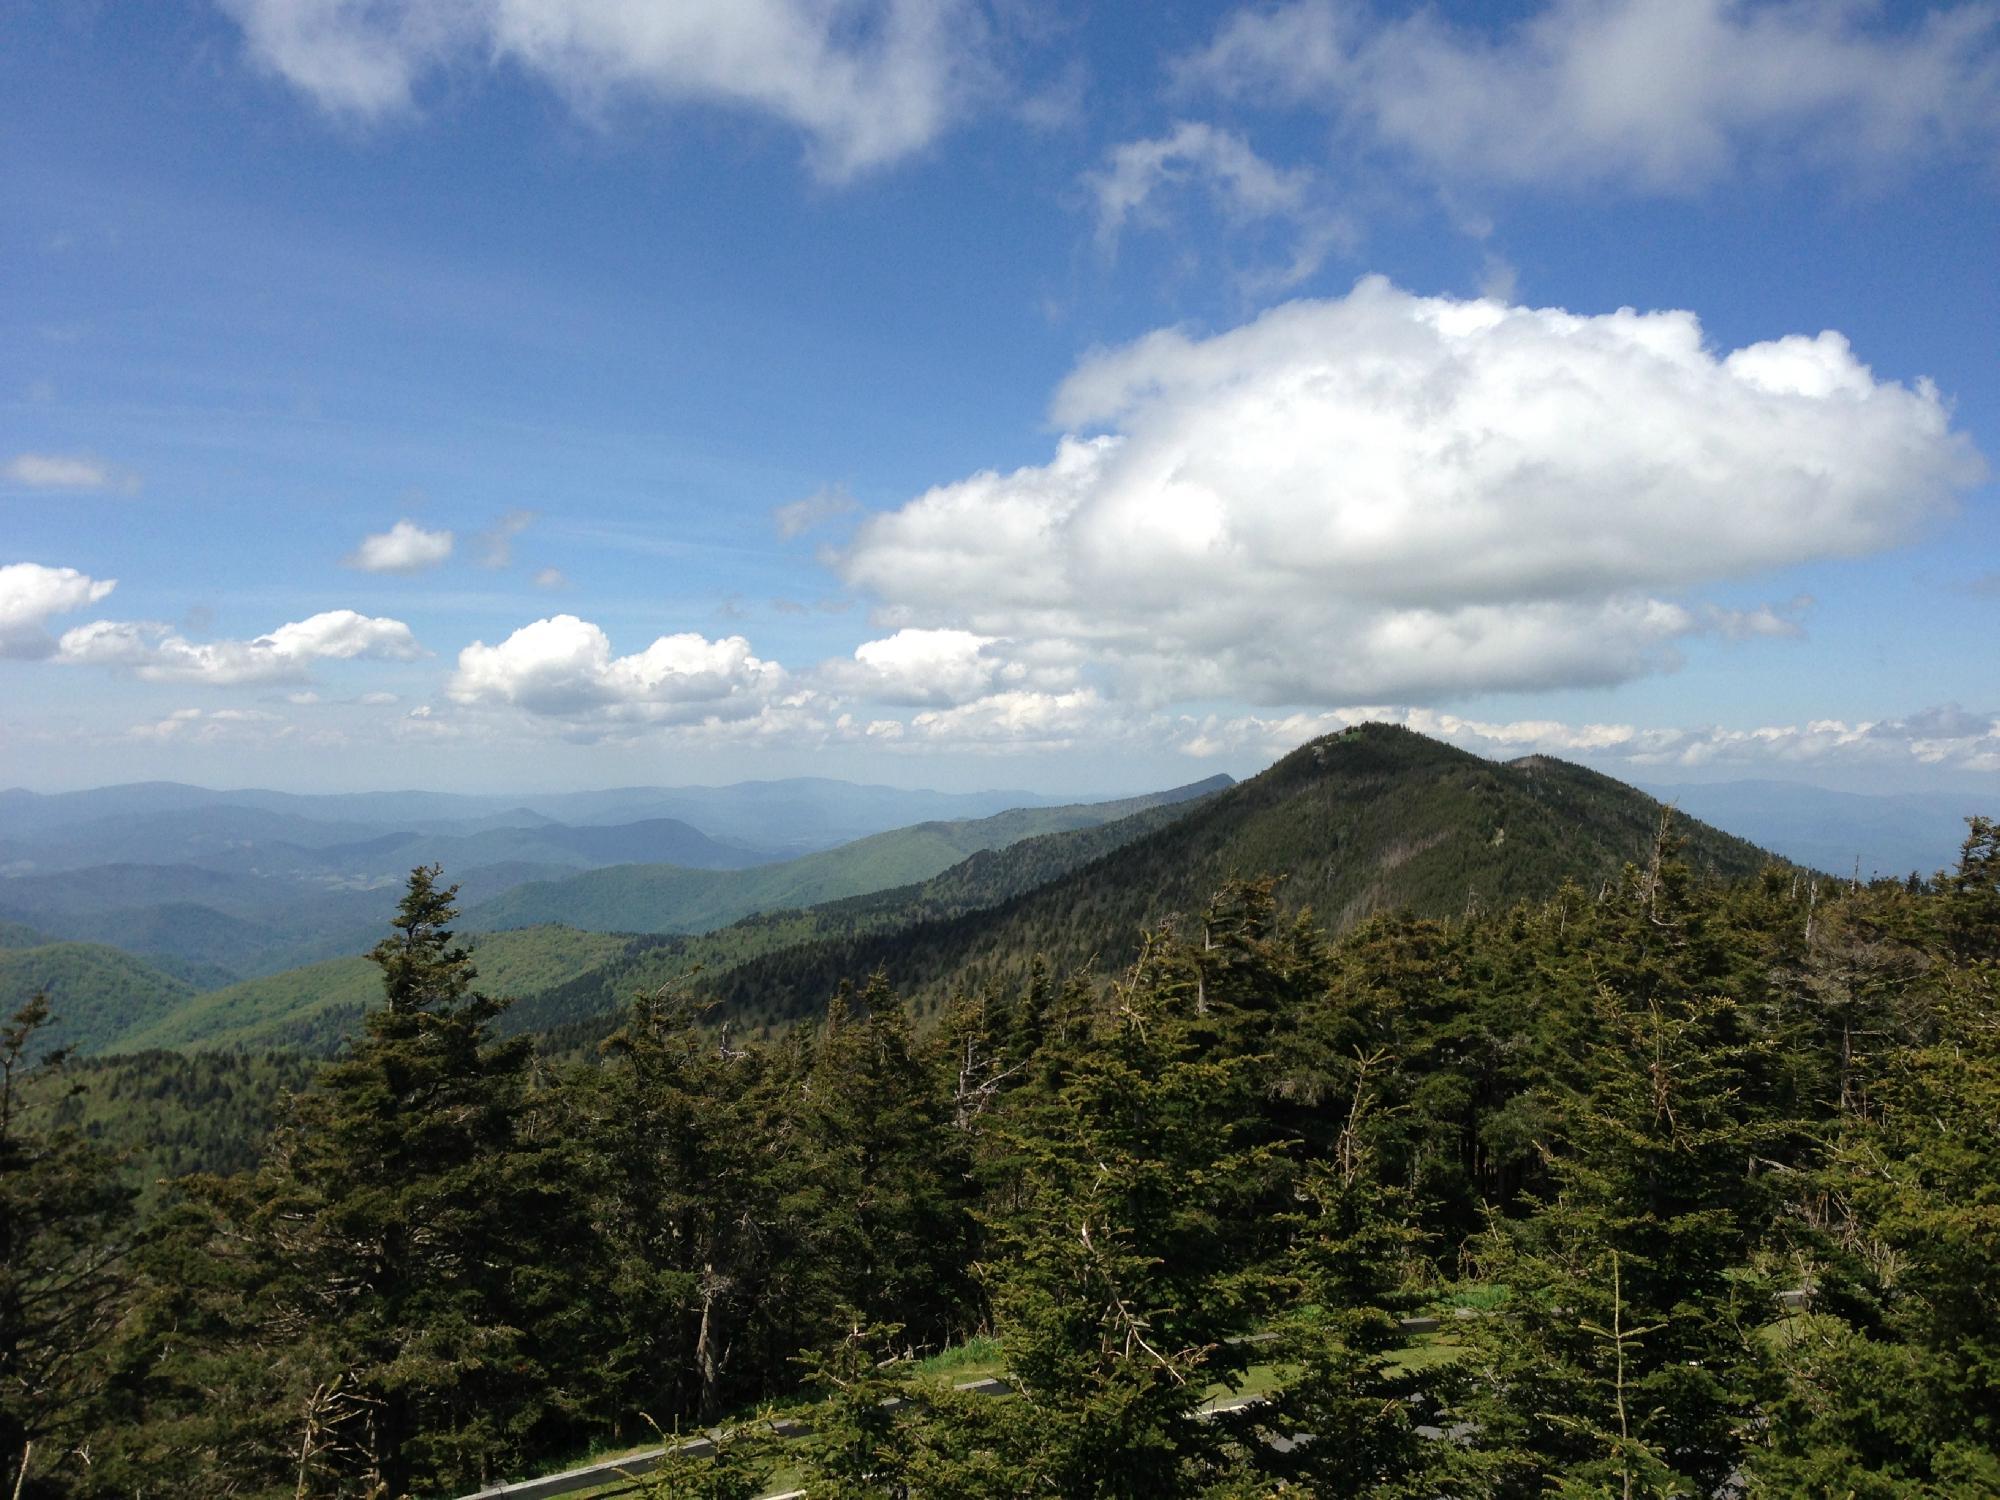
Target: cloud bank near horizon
{"type": "Point", "coordinates": [1379, 498]}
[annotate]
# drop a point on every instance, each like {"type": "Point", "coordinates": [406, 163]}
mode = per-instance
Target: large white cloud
{"type": "Point", "coordinates": [30, 594]}
{"type": "Point", "coordinates": [1387, 497]}
{"type": "Point", "coordinates": [405, 547]}
{"type": "Point", "coordinates": [157, 654]}
{"type": "Point", "coordinates": [563, 668]}
{"type": "Point", "coordinates": [866, 81]}
{"type": "Point", "coordinates": [1647, 94]}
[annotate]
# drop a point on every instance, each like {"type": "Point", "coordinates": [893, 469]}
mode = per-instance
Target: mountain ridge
{"type": "Point", "coordinates": [1427, 828]}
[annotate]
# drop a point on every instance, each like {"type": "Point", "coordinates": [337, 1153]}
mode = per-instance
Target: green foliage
{"type": "Point", "coordinates": [163, 1115]}
{"type": "Point", "coordinates": [97, 995]}
{"type": "Point", "coordinates": [984, 880]}
{"type": "Point", "coordinates": [408, 1230]}
{"type": "Point", "coordinates": [689, 1213]}
{"type": "Point", "coordinates": [312, 1010]}
{"type": "Point", "coordinates": [1893, 1389]}
{"type": "Point", "coordinates": [63, 1222]}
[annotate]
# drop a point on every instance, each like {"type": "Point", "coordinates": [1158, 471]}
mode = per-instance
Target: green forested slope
{"type": "Point", "coordinates": [165, 1113]}
{"type": "Point", "coordinates": [667, 898]}
{"type": "Point", "coordinates": [95, 993]}
{"type": "Point", "coordinates": [311, 1009]}
{"type": "Point", "coordinates": [983, 880]}
{"type": "Point", "coordinates": [1375, 819]}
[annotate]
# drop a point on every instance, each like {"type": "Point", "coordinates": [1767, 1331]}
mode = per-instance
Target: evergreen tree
{"type": "Point", "coordinates": [1350, 1265]}
{"type": "Point", "coordinates": [402, 1263]}
{"type": "Point", "coordinates": [1622, 1361]}
{"type": "Point", "coordinates": [887, 1190]}
{"type": "Point", "coordinates": [689, 1208]}
{"type": "Point", "coordinates": [64, 1221]}
{"type": "Point", "coordinates": [1890, 1386]}
{"type": "Point", "coordinates": [1134, 1252]}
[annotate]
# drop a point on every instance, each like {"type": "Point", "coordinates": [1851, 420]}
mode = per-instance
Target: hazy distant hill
{"type": "Point", "coordinates": [223, 885]}
{"type": "Point", "coordinates": [1375, 819]}
{"type": "Point", "coordinates": [241, 923]}
{"type": "Point", "coordinates": [309, 1008]}
{"type": "Point", "coordinates": [1886, 834]}
{"type": "Point", "coordinates": [664, 898]}
{"type": "Point", "coordinates": [787, 815]}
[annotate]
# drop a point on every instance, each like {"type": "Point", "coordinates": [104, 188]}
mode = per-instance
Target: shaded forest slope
{"type": "Point", "coordinates": [1374, 819]}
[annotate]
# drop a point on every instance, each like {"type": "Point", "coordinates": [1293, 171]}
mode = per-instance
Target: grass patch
{"type": "Point", "coordinates": [975, 1359]}
{"type": "Point", "coordinates": [1475, 1296]}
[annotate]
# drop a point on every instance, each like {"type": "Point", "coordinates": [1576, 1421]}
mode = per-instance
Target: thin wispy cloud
{"type": "Point", "coordinates": [821, 508]}
{"type": "Point", "coordinates": [494, 547]}
{"type": "Point", "coordinates": [67, 471]}
{"type": "Point", "coordinates": [1660, 96]}
{"type": "Point", "coordinates": [1141, 182]}
{"type": "Point", "coordinates": [866, 84]}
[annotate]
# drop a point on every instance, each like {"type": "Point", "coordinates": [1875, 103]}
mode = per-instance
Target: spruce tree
{"type": "Point", "coordinates": [887, 1193]}
{"type": "Point", "coordinates": [689, 1208]}
{"type": "Point", "coordinates": [1622, 1360]}
{"type": "Point", "coordinates": [403, 1259]}
{"type": "Point", "coordinates": [1888, 1386]}
{"type": "Point", "coordinates": [64, 1223]}
{"type": "Point", "coordinates": [1133, 1252]}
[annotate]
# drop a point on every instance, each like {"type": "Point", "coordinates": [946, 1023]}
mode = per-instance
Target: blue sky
{"type": "Point", "coordinates": [545, 393]}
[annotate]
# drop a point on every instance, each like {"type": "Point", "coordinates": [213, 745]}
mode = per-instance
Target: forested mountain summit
{"type": "Point", "coordinates": [1376, 818]}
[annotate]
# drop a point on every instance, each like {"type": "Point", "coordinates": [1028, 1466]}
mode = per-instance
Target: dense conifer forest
{"type": "Point", "coordinates": [1696, 1169]}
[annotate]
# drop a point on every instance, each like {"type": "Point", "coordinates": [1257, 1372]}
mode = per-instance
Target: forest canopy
{"type": "Point", "coordinates": [1696, 1175]}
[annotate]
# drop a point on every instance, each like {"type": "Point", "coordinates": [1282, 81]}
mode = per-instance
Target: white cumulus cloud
{"type": "Point", "coordinates": [405, 547]}
{"type": "Point", "coordinates": [30, 594]}
{"type": "Point", "coordinates": [1385, 497]}
{"type": "Point", "coordinates": [945, 668]}
{"type": "Point", "coordinates": [156, 653]}
{"type": "Point", "coordinates": [563, 668]}
{"type": "Point", "coordinates": [1017, 719]}
{"type": "Point", "coordinates": [865, 81]}
{"type": "Point", "coordinates": [1654, 95]}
